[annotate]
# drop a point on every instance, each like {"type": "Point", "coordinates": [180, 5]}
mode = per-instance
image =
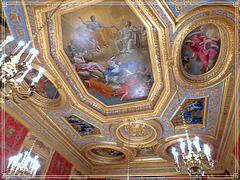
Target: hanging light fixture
{"type": "Point", "coordinates": [13, 68]}
{"type": "Point", "coordinates": [22, 165]}
{"type": "Point", "coordinates": [195, 159]}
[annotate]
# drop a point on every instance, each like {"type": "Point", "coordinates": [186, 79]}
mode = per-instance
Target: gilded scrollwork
{"type": "Point", "coordinates": [16, 17]}
{"type": "Point", "coordinates": [136, 129]}
{"type": "Point", "coordinates": [182, 5]}
{"type": "Point", "coordinates": [137, 133]}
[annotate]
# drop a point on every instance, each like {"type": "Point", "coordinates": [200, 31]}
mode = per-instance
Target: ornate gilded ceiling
{"type": "Point", "coordinates": [111, 104]}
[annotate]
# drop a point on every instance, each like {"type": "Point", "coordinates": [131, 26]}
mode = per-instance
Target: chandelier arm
{"type": "Point", "coordinates": [13, 69]}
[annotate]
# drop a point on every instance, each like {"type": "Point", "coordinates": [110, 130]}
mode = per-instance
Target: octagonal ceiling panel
{"type": "Point", "coordinates": [107, 47]}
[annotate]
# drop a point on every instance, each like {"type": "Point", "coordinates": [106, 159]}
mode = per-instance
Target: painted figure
{"type": "Point", "coordinates": [93, 65]}
{"type": "Point", "coordinates": [83, 41]}
{"type": "Point", "coordinates": [187, 59]}
{"type": "Point", "coordinates": [195, 106]}
{"type": "Point", "coordinates": [101, 34]}
{"type": "Point", "coordinates": [195, 120]}
{"type": "Point", "coordinates": [44, 87]}
{"type": "Point", "coordinates": [129, 38]}
{"type": "Point", "coordinates": [199, 45]}
{"type": "Point", "coordinates": [40, 87]}
{"type": "Point", "coordinates": [127, 89]}
{"type": "Point", "coordinates": [114, 72]}
{"type": "Point", "coordinates": [98, 86]}
{"type": "Point", "coordinates": [144, 74]}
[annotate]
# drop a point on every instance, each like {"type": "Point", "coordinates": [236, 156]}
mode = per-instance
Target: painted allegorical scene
{"type": "Point", "coordinates": [107, 46]}
{"type": "Point", "coordinates": [200, 49]}
{"type": "Point", "coordinates": [192, 112]}
{"type": "Point", "coordinates": [145, 152]}
{"type": "Point", "coordinates": [106, 152]}
{"type": "Point", "coordinates": [44, 87]}
{"type": "Point", "coordinates": [82, 127]}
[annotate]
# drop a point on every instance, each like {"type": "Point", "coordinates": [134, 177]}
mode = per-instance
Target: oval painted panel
{"type": "Point", "coordinates": [108, 48]}
{"type": "Point", "coordinates": [200, 49]}
{"type": "Point", "coordinates": [106, 152]}
{"type": "Point", "coordinates": [44, 87]}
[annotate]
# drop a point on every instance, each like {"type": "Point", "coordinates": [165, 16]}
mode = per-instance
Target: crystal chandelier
{"type": "Point", "coordinates": [193, 157]}
{"type": "Point", "coordinates": [13, 68]}
{"type": "Point", "coordinates": [22, 165]}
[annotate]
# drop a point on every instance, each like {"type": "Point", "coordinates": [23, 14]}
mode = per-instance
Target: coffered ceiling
{"type": "Point", "coordinates": [113, 106]}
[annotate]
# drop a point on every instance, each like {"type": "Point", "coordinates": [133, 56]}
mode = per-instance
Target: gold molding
{"type": "Point", "coordinates": [150, 139]}
{"type": "Point", "coordinates": [128, 153]}
{"type": "Point", "coordinates": [218, 70]}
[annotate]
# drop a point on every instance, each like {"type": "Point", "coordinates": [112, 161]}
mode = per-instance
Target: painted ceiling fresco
{"type": "Point", "coordinates": [107, 46]}
{"type": "Point", "coordinates": [200, 49]}
{"type": "Point", "coordinates": [120, 76]}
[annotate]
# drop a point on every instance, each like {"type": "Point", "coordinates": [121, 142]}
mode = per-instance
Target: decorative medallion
{"type": "Point", "coordinates": [136, 129]}
{"type": "Point", "coordinates": [200, 49]}
{"type": "Point", "coordinates": [138, 133]}
{"type": "Point", "coordinates": [109, 52]}
{"type": "Point", "coordinates": [82, 127]}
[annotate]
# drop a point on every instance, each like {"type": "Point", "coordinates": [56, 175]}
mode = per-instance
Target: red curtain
{"type": "Point", "coordinates": [11, 137]}
{"type": "Point", "coordinates": [237, 148]}
{"type": "Point", "coordinates": [59, 167]}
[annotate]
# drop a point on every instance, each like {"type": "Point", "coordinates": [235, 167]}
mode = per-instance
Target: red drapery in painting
{"type": "Point", "coordinates": [59, 166]}
{"type": "Point", "coordinates": [13, 138]}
